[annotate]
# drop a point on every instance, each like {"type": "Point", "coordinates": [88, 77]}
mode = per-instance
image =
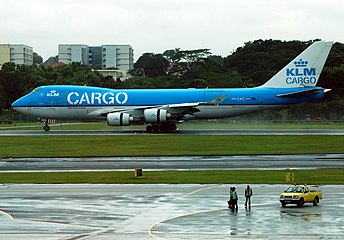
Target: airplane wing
{"type": "Point", "coordinates": [178, 108]}
{"type": "Point", "coordinates": [183, 108]}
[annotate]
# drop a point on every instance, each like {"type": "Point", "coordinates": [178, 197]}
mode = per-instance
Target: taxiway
{"type": "Point", "coordinates": [181, 132]}
{"type": "Point", "coordinates": [285, 161]}
{"type": "Point", "coordinates": [97, 211]}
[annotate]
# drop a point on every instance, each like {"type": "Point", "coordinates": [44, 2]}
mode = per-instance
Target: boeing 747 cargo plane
{"type": "Point", "coordinates": [161, 109]}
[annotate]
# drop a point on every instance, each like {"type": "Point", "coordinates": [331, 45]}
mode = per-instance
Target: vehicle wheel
{"type": "Point", "coordinates": [46, 128]}
{"type": "Point", "coordinates": [315, 201]}
{"type": "Point", "coordinates": [283, 204]}
{"type": "Point", "coordinates": [301, 203]}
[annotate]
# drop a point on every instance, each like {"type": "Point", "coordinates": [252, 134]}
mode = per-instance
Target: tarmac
{"type": "Point", "coordinates": [7, 131]}
{"type": "Point", "coordinates": [278, 161]}
{"type": "Point", "coordinates": [159, 211]}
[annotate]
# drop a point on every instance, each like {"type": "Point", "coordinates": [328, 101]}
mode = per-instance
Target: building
{"type": "Point", "coordinates": [16, 53]}
{"type": "Point", "coordinates": [69, 53]}
{"type": "Point", "coordinates": [117, 75]}
{"type": "Point", "coordinates": [119, 57]}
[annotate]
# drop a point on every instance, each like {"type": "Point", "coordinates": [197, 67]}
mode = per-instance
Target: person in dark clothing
{"type": "Point", "coordinates": [248, 195]}
{"type": "Point", "coordinates": [234, 198]}
{"type": "Point", "coordinates": [230, 202]}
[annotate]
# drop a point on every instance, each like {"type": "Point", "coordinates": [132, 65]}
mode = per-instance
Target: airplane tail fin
{"type": "Point", "coordinates": [304, 70]}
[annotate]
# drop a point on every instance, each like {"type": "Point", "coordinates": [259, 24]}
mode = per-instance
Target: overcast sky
{"type": "Point", "coordinates": [158, 25]}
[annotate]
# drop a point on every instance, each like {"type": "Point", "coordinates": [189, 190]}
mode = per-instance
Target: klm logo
{"type": "Point", "coordinates": [301, 74]}
{"type": "Point", "coordinates": [53, 93]}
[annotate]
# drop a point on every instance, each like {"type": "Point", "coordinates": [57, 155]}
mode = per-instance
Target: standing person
{"type": "Point", "coordinates": [234, 197]}
{"type": "Point", "coordinates": [230, 202]}
{"type": "Point", "coordinates": [248, 195]}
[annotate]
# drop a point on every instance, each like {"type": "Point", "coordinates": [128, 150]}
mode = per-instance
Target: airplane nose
{"type": "Point", "coordinates": [21, 105]}
{"type": "Point", "coordinates": [18, 103]}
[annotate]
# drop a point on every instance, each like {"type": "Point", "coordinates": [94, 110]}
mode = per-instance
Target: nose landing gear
{"type": "Point", "coordinates": [46, 126]}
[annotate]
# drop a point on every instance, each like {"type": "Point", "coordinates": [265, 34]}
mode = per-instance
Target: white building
{"type": "Point", "coordinates": [119, 57]}
{"type": "Point", "coordinates": [69, 53]}
{"type": "Point", "coordinates": [16, 53]}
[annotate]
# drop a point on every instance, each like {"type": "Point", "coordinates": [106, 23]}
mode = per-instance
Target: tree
{"type": "Point", "coordinates": [37, 59]}
{"type": "Point", "coordinates": [259, 60]}
{"type": "Point", "coordinates": [181, 60]}
{"type": "Point", "coordinates": [150, 65]}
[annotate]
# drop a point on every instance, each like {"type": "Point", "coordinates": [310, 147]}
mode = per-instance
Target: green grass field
{"type": "Point", "coordinates": [162, 145]}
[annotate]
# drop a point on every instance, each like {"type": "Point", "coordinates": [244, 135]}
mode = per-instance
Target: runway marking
{"type": "Point", "coordinates": [150, 229]}
{"type": "Point", "coordinates": [6, 214]}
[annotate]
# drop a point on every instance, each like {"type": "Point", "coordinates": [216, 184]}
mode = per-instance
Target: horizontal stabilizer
{"type": "Point", "coordinates": [300, 93]}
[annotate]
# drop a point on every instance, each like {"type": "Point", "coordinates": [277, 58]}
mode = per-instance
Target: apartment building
{"type": "Point", "coordinates": [16, 53]}
{"type": "Point", "coordinates": [119, 57]}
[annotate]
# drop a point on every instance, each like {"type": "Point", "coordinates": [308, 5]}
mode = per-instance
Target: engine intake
{"type": "Point", "coordinates": [119, 119]}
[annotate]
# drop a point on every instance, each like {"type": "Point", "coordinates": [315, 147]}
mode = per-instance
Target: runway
{"type": "Point", "coordinates": [179, 132]}
{"type": "Point", "coordinates": [100, 211]}
{"type": "Point", "coordinates": [288, 161]}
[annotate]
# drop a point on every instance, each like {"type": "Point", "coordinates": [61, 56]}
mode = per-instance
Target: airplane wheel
{"type": "Point", "coordinates": [149, 128]}
{"type": "Point", "coordinates": [46, 128]}
{"type": "Point", "coordinates": [155, 128]}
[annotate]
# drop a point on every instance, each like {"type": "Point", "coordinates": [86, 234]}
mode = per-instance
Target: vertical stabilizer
{"type": "Point", "coordinates": [304, 70]}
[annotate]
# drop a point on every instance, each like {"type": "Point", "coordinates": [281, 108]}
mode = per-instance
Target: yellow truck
{"type": "Point", "coordinates": [300, 195]}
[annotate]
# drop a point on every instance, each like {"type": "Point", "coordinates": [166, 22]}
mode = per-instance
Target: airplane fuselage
{"type": "Point", "coordinates": [80, 102]}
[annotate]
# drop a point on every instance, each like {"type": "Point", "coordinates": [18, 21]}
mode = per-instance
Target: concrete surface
{"type": "Point", "coordinates": [92, 211]}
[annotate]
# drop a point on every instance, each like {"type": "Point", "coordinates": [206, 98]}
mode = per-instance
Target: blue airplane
{"type": "Point", "coordinates": [161, 109]}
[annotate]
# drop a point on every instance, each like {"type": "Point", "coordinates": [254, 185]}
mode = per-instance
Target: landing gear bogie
{"type": "Point", "coordinates": [161, 127]}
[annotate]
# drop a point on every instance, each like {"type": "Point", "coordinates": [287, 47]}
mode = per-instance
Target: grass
{"type": "Point", "coordinates": [323, 176]}
{"type": "Point", "coordinates": [162, 145]}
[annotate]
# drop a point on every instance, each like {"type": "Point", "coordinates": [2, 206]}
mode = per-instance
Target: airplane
{"type": "Point", "coordinates": [161, 109]}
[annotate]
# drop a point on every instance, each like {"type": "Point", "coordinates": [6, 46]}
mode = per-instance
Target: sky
{"type": "Point", "coordinates": [158, 25]}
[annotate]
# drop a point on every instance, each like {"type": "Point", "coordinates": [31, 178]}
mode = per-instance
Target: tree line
{"type": "Point", "coordinates": [248, 66]}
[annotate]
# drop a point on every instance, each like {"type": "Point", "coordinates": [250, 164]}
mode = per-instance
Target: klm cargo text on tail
{"type": "Point", "coordinates": [300, 74]}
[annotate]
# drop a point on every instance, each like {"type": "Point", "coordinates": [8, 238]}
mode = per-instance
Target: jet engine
{"type": "Point", "coordinates": [154, 115]}
{"type": "Point", "coordinates": [119, 119]}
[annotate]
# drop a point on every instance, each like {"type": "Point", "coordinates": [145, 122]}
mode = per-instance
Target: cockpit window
{"type": "Point", "coordinates": [36, 90]}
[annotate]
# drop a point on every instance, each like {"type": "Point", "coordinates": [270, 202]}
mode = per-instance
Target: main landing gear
{"type": "Point", "coordinates": [46, 126]}
{"type": "Point", "coordinates": [161, 127]}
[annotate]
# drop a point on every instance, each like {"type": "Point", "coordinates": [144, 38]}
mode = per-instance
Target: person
{"type": "Point", "coordinates": [248, 195]}
{"type": "Point", "coordinates": [230, 202]}
{"type": "Point", "coordinates": [234, 197]}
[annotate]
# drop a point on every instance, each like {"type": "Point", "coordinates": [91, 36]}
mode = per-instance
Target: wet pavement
{"type": "Point", "coordinates": [159, 211]}
{"type": "Point", "coordinates": [294, 161]}
{"type": "Point", "coordinates": [7, 132]}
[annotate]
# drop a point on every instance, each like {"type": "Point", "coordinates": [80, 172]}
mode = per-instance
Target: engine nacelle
{"type": "Point", "coordinates": [154, 115]}
{"type": "Point", "coordinates": [118, 119]}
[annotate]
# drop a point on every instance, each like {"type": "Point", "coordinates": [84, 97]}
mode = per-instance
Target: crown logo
{"type": "Point", "coordinates": [53, 91]}
{"type": "Point", "coordinates": [301, 63]}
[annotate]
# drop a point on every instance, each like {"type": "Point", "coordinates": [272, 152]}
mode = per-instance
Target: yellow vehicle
{"type": "Point", "coordinates": [300, 195]}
